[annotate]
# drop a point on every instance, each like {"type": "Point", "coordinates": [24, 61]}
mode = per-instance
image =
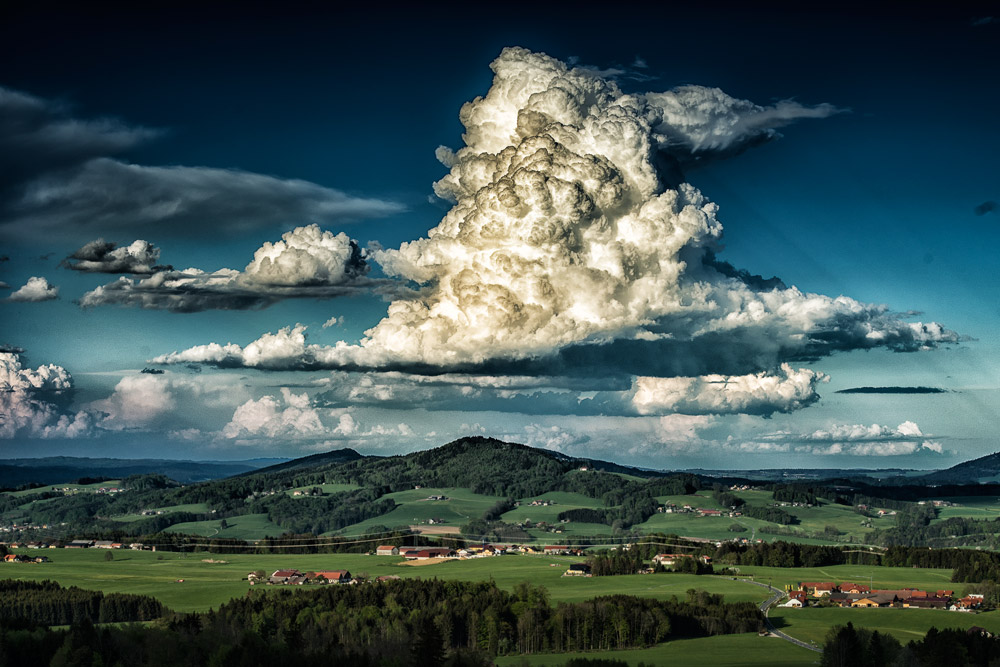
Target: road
{"type": "Point", "coordinates": [765, 607]}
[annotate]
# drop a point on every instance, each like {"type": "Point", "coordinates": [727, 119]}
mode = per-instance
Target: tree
{"type": "Point", "coordinates": [109, 556]}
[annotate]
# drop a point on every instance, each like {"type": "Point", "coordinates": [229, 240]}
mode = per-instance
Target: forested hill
{"type": "Point", "coordinates": [982, 470]}
{"type": "Point", "coordinates": [484, 465]}
{"type": "Point", "coordinates": [315, 460]}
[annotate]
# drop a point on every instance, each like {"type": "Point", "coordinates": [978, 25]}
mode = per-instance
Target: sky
{"type": "Point", "coordinates": [729, 237]}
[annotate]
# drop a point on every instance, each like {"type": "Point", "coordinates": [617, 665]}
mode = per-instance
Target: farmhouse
{"type": "Point", "coordinates": [429, 552]}
{"type": "Point", "coordinates": [80, 544]}
{"type": "Point", "coordinates": [577, 570]}
{"type": "Point", "coordinates": [283, 576]}
{"type": "Point", "coordinates": [669, 559]}
{"type": "Point", "coordinates": [555, 550]}
{"type": "Point", "coordinates": [387, 550]}
{"type": "Point", "coordinates": [331, 576]}
{"type": "Point", "coordinates": [819, 589]}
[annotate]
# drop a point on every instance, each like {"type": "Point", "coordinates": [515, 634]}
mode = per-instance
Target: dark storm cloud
{"type": "Point", "coordinates": [58, 178]}
{"type": "Point", "coordinates": [102, 256]}
{"type": "Point", "coordinates": [117, 197]}
{"type": "Point", "coordinates": [986, 207]}
{"type": "Point", "coordinates": [38, 136]}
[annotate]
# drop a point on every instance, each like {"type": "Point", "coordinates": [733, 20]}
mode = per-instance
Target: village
{"type": "Point", "coordinates": [848, 594]}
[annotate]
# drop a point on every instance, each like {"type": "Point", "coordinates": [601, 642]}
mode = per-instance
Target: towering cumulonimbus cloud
{"type": "Point", "coordinates": [573, 248]}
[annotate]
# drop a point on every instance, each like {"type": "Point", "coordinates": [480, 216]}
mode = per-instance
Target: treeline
{"type": "Point", "coordinates": [952, 532]}
{"type": "Point", "coordinates": [848, 646]}
{"type": "Point", "coordinates": [727, 499]}
{"type": "Point", "coordinates": [796, 493]}
{"type": "Point", "coordinates": [489, 527]}
{"type": "Point", "coordinates": [48, 603]}
{"type": "Point", "coordinates": [789, 554]}
{"type": "Point", "coordinates": [621, 561]}
{"type": "Point", "coordinates": [323, 514]}
{"type": "Point", "coordinates": [772, 514]}
{"type": "Point", "coordinates": [968, 565]}
{"type": "Point", "coordinates": [408, 622]}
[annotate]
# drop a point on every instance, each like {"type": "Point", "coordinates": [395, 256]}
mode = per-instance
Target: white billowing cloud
{"type": "Point", "coordinates": [759, 393]}
{"type": "Point", "coordinates": [28, 402]}
{"type": "Point", "coordinates": [553, 438]}
{"type": "Point", "coordinates": [887, 448]}
{"type": "Point", "coordinates": [35, 290]}
{"type": "Point", "coordinates": [270, 417]}
{"type": "Point", "coordinates": [568, 248]}
{"type": "Point", "coordinates": [15, 378]}
{"type": "Point", "coordinates": [306, 256]}
{"type": "Point", "coordinates": [100, 256]}
{"type": "Point", "coordinates": [119, 197]}
{"type": "Point", "coordinates": [851, 440]}
{"type": "Point", "coordinates": [137, 401]}
{"type": "Point", "coordinates": [166, 401]}
{"type": "Point", "coordinates": [346, 425]}
{"type": "Point", "coordinates": [306, 262]}
{"type": "Point", "coordinates": [852, 432]}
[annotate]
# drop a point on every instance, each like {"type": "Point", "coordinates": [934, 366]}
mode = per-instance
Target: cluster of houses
{"type": "Point", "coordinates": [673, 508]}
{"type": "Point", "coordinates": [79, 544]}
{"type": "Point", "coordinates": [296, 578]}
{"type": "Point", "coordinates": [667, 560]}
{"type": "Point", "coordinates": [483, 551]}
{"type": "Point", "coordinates": [24, 558]}
{"type": "Point", "coordinates": [849, 594]}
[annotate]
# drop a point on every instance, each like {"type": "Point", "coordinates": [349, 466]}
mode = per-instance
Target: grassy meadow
{"type": "Point", "coordinates": [212, 579]}
{"type": "Point", "coordinates": [812, 623]}
{"type": "Point", "coordinates": [415, 509]}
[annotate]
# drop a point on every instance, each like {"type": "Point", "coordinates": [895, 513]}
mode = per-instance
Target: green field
{"type": "Point", "coordinates": [211, 584]}
{"type": "Point", "coordinates": [812, 623]}
{"type": "Point", "coordinates": [414, 509]}
{"type": "Point", "coordinates": [880, 577]}
{"type": "Point", "coordinates": [194, 508]}
{"type": "Point", "coordinates": [207, 584]}
{"type": "Point", "coordinates": [721, 651]}
{"type": "Point", "coordinates": [245, 527]}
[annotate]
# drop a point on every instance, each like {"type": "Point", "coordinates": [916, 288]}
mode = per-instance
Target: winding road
{"type": "Point", "coordinates": [765, 607]}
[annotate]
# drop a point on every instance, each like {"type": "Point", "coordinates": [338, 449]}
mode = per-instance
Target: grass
{"type": "Point", "coordinates": [246, 527]}
{"type": "Point", "coordinates": [462, 506]}
{"type": "Point", "coordinates": [207, 585]}
{"type": "Point", "coordinates": [721, 651]}
{"type": "Point", "coordinates": [880, 577]}
{"type": "Point", "coordinates": [195, 508]}
{"type": "Point", "coordinates": [812, 623]}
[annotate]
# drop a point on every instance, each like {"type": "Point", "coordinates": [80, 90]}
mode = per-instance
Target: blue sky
{"type": "Point", "coordinates": [568, 297]}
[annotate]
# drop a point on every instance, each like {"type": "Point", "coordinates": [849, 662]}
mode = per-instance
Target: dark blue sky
{"type": "Point", "coordinates": [875, 202]}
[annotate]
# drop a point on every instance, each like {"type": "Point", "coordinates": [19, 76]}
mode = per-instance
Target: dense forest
{"type": "Point", "coordinates": [408, 622]}
{"type": "Point", "coordinates": [850, 646]}
{"type": "Point", "coordinates": [48, 603]}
